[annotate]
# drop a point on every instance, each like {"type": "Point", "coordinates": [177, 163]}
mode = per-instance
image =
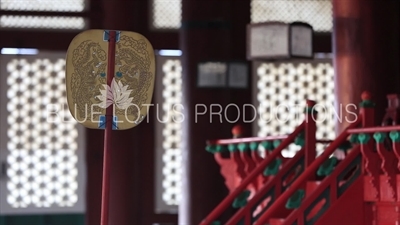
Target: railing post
{"type": "Point", "coordinates": [310, 130]}
{"type": "Point", "coordinates": [367, 110]}
{"type": "Point", "coordinates": [227, 166]}
{"type": "Point", "coordinates": [371, 160]}
{"type": "Point", "coordinates": [388, 167]}
{"type": "Point", "coordinates": [236, 153]}
{"type": "Point", "coordinates": [395, 137]}
{"type": "Point", "coordinates": [235, 157]}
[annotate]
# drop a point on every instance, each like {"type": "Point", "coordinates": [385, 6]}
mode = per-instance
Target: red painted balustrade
{"type": "Point", "coordinates": [257, 172]}
{"type": "Point", "coordinates": [363, 188]}
{"type": "Point", "coordinates": [254, 179]}
{"type": "Point", "coordinates": [278, 212]}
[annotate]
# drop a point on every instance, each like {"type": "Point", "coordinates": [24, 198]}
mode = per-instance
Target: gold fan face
{"type": "Point", "coordinates": [131, 90]}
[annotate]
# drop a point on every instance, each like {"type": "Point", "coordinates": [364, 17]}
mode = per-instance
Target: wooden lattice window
{"type": "Point", "coordinates": [43, 14]}
{"type": "Point", "coordinates": [169, 122]}
{"type": "Point", "coordinates": [41, 145]}
{"type": "Point", "coordinates": [281, 90]}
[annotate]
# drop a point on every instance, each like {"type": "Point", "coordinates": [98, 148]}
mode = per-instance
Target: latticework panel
{"type": "Point", "coordinates": [43, 5]}
{"type": "Point", "coordinates": [318, 13]}
{"type": "Point", "coordinates": [172, 131]}
{"type": "Point", "coordinates": [166, 14]}
{"type": "Point", "coordinates": [41, 136]}
{"type": "Point", "coordinates": [282, 91]}
{"type": "Point", "coordinates": [42, 22]}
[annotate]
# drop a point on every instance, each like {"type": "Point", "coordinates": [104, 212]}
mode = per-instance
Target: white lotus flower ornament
{"type": "Point", "coordinates": [117, 94]}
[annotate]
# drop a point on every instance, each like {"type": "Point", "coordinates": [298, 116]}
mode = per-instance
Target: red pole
{"type": "Point", "coordinates": [374, 129]}
{"type": "Point", "coordinates": [107, 134]}
{"type": "Point", "coordinates": [245, 140]}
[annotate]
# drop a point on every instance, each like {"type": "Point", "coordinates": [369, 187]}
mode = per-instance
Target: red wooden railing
{"type": "Point", "coordinates": [381, 164]}
{"type": "Point", "coordinates": [225, 204]}
{"type": "Point", "coordinates": [239, 163]}
{"type": "Point", "coordinates": [373, 165]}
{"type": "Point", "coordinates": [245, 140]}
{"type": "Point", "coordinates": [299, 183]}
{"type": "Point", "coordinates": [270, 190]}
{"type": "Point", "coordinates": [309, 129]}
{"type": "Point", "coordinates": [329, 187]}
{"type": "Point", "coordinates": [389, 170]}
{"type": "Point", "coordinates": [373, 129]}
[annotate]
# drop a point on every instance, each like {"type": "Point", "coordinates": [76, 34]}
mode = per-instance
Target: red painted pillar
{"type": "Point", "coordinates": [128, 146]}
{"type": "Point", "coordinates": [366, 54]}
{"type": "Point", "coordinates": [210, 31]}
